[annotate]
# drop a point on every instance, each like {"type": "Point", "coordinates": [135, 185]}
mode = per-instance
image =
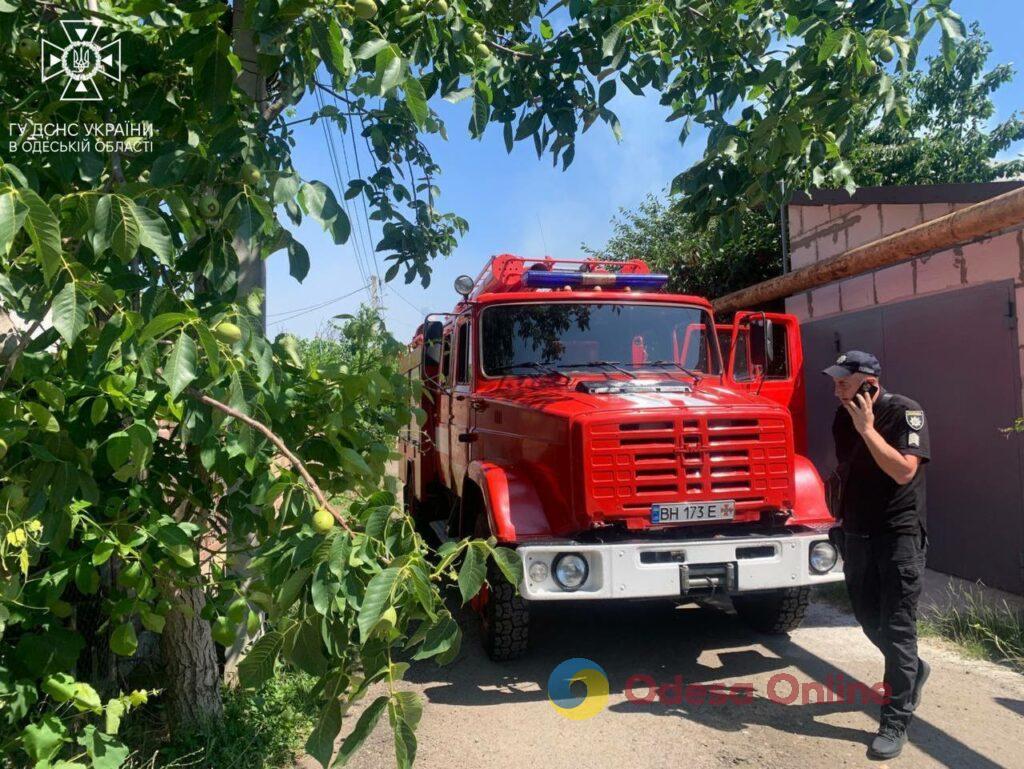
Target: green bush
{"type": "Point", "coordinates": [262, 729]}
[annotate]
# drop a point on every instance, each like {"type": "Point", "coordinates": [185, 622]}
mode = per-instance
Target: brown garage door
{"type": "Point", "coordinates": [956, 353]}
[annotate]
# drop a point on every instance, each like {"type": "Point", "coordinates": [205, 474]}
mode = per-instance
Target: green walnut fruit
{"type": "Point", "coordinates": [482, 51]}
{"type": "Point", "coordinates": [28, 49]}
{"type": "Point", "coordinates": [227, 332]}
{"type": "Point", "coordinates": [323, 521]}
{"type": "Point", "coordinates": [439, 7]}
{"type": "Point", "coordinates": [209, 206]}
{"type": "Point", "coordinates": [365, 9]}
{"type": "Point", "coordinates": [251, 174]}
{"type": "Point", "coordinates": [886, 54]}
{"type": "Point", "coordinates": [474, 37]}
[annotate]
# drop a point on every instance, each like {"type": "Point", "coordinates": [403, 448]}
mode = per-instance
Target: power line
{"type": "Point", "coordinates": [306, 310]}
{"type": "Point", "coordinates": [332, 151]}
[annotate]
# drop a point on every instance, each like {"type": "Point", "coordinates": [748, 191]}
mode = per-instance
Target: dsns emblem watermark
{"type": "Point", "coordinates": [574, 706]}
{"type": "Point", "coordinates": [80, 61]}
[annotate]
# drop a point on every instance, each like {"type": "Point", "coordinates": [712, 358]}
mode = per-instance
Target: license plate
{"type": "Point", "coordinates": [694, 512]}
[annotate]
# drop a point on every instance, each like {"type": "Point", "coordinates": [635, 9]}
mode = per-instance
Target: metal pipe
{"type": "Point", "coordinates": [957, 228]}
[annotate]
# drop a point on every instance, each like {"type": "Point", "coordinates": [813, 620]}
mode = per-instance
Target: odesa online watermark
{"type": "Point", "coordinates": [84, 57]}
{"type": "Point", "coordinates": [641, 689]}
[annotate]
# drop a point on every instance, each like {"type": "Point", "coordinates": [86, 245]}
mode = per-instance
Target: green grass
{"type": "Point", "coordinates": [983, 630]}
{"type": "Point", "coordinates": [262, 729]}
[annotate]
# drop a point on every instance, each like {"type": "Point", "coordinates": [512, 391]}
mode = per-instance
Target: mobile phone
{"type": "Point", "coordinates": [868, 389]}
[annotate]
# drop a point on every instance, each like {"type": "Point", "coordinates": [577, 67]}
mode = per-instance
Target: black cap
{"type": "Point", "coordinates": [854, 362]}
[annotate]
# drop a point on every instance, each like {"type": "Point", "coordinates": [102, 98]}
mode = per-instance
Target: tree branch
{"type": "Point", "coordinates": [295, 462]}
{"type": "Point", "coordinates": [25, 338]}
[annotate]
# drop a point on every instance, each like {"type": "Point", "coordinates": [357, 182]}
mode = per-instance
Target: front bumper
{"type": "Point", "coordinates": [680, 568]}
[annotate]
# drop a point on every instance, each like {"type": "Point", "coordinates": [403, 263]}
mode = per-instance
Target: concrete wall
{"type": "Point", "coordinates": [821, 231]}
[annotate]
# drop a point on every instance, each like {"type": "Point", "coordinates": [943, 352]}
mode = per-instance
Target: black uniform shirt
{"type": "Point", "coordinates": [872, 502]}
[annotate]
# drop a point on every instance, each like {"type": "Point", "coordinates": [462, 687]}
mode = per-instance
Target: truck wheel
{"type": "Point", "coordinates": [504, 618]}
{"type": "Point", "coordinates": [776, 612]}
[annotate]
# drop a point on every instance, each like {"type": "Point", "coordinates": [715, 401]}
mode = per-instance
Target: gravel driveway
{"type": "Point", "coordinates": [481, 714]}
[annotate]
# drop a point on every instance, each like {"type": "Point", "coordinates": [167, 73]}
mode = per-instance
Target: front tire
{"type": "Point", "coordinates": [504, 619]}
{"type": "Point", "coordinates": [504, 615]}
{"type": "Point", "coordinates": [778, 611]}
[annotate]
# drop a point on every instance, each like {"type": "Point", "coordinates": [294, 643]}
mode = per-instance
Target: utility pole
{"type": "Point", "coordinates": [375, 300]}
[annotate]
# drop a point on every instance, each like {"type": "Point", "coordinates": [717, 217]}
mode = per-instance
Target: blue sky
{"type": "Point", "coordinates": [519, 204]}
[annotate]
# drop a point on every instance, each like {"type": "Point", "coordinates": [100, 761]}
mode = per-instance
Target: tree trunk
{"type": "Point", "coordinates": [192, 693]}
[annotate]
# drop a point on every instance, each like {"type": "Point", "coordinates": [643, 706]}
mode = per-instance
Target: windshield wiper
{"type": "Point", "coordinates": [664, 363]}
{"type": "Point", "coordinates": [542, 367]}
{"type": "Point", "coordinates": [595, 363]}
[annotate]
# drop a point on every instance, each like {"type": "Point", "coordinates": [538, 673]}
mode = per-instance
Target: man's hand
{"type": "Point", "coordinates": [862, 414]}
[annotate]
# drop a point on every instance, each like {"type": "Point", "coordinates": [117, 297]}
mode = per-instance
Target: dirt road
{"type": "Point", "coordinates": [481, 714]}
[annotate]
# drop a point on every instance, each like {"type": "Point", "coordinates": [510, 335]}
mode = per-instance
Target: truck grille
{"type": "Point", "coordinates": [632, 464]}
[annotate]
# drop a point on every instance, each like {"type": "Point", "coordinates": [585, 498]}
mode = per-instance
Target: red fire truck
{"type": "Point", "coordinates": [623, 443]}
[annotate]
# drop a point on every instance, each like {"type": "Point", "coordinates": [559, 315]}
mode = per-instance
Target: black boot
{"type": "Point", "coordinates": [888, 742]}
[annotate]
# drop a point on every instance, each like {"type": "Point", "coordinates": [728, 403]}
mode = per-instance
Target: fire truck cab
{"type": "Point", "coordinates": [620, 440]}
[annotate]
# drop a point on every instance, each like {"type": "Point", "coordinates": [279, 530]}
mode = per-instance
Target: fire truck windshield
{"type": "Point", "coordinates": [535, 339]}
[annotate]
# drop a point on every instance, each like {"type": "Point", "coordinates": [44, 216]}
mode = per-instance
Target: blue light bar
{"type": "Point", "coordinates": [562, 278]}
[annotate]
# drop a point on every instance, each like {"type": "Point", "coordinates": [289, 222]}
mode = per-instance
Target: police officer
{"type": "Point", "coordinates": [882, 446]}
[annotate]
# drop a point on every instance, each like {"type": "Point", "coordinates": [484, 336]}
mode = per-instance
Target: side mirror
{"type": "Point", "coordinates": [432, 332]}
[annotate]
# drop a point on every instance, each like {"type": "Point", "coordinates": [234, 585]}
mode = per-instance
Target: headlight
{"type": "Point", "coordinates": [823, 557]}
{"type": "Point", "coordinates": [538, 571]}
{"type": "Point", "coordinates": [571, 571]}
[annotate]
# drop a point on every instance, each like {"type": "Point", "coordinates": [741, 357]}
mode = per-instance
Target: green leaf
{"type": "Point", "coordinates": [410, 706]}
{"type": "Point", "coordinates": [43, 739]}
{"type": "Point", "coordinates": [376, 599]}
{"type": "Point", "coordinates": [112, 716]}
{"type": "Point", "coordinates": [331, 48]}
{"type": "Point", "coordinates": [180, 368]}
{"type": "Point", "coordinates": [12, 217]}
{"type": "Point", "coordinates": [416, 101]}
{"type": "Point", "coordinates": [86, 698]}
{"type": "Point", "coordinates": [546, 31]}
{"type": "Point", "coordinates": [354, 461]}
{"type": "Point", "coordinates": [123, 640]}
{"type": "Point", "coordinates": [258, 665]}
{"type": "Point", "coordinates": [320, 744]}
{"type": "Point", "coordinates": [370, 48]}
{"type": "Point", "coordinates": [472, 573]}
{"type": "Point", "coordinates": [161, 324]}
{"type": "Point", "coordinates": [98, 410]}
{"type": "Point", "coordinates": [405, 738]}
{"type": "Point", "coordinates": [439, 639]}
{"type": "Point", "coordinates": [50, 393]}
{"type": "Point", "coordinates": [306, 651]}
{"type": "Point", "coordinates": [364, 726]}
{"type": "Point", "coordinates": [152, 621]}
{"type": "Point", "coordinates": [153, 233]}
{"type": "Point", "coordinates": [213, 80]}
{"type": "Point", "coordinates": [298, 260]}
{"type": "Point", "coordinates": [509, 563]}
{"type": "Point", "coordinates": [105, 751]}
{"type": "Point", "coordinates": [60, 687]}
{"type": "Point", "coordinates": [43, 230]}
{"type": "Point", "coordinates": [119, 449]}
{"type": "Point", "coordinates": [124, 232]}
{"type": "Point", "coordinates": [70, 312]}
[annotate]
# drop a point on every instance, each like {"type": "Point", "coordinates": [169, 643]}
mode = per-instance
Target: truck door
{"type": "Point", "coordinates": [764, 356]}
{"type": "Point", "coordinates": [444, 409]}
{"type": "Point", "coordinates": [461, 427]}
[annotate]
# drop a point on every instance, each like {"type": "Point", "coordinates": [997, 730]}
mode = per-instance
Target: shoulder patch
{"type": "Point", "coordinates": [915, 419]}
